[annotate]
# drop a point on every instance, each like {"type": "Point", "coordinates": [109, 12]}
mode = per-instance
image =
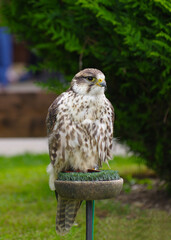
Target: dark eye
{"type": "Point", "coordinates": [90, 78]}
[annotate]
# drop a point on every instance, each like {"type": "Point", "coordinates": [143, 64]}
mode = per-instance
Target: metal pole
{"type": "Point", "coordinates": [89, 220]}
{"type": "Point", "coordinates": [93, 219]}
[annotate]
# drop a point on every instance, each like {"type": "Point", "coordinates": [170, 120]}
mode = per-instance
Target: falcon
{"type": "Point", "coordinates": [80, 135]}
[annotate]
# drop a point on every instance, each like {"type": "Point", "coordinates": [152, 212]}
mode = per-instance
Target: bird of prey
{"type": "Point", "coordinates": [80, 133]}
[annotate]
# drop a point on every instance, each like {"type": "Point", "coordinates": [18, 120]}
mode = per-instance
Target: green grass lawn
{"type": "Point", "coordinates": [28, 207]}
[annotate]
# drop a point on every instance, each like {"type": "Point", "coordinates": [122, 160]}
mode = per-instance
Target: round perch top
{"type": "Point", "coordinates": [89, 186]}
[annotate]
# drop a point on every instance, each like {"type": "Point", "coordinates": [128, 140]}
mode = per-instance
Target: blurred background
{"type": "Point", "coordinates": [23, 101]}
{"type": "Point", "coordinates": [23, 105]}
{"type": "Point", "coordinates": [42, 45]}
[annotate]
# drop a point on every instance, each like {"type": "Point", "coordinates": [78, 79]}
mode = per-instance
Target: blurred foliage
{"type": "Point", "coordinates": [129, 40]}
{"type": "Point", "coordinates": [53, 85]}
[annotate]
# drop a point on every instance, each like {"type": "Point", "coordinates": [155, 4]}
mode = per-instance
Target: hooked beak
{"type": "Point", "coordinates": [101, 83]}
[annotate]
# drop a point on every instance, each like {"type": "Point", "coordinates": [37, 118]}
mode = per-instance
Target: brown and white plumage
{"type": "Point", "coordinates": [80, 129]}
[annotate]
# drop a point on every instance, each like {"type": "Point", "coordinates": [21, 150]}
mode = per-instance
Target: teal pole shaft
{"type": "Point", "coordinates": [89, 219]}
{"type": "Point", "coordinates": [93, 219]}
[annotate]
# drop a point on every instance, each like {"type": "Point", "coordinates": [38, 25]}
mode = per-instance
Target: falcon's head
{"type": "Point", "coordinates": [89, 81]}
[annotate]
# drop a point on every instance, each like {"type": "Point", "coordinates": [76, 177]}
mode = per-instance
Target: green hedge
{"type": "Point", "coordinates": [130, 40]}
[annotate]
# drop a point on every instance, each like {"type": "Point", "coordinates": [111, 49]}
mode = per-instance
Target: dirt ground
{"type": "Point", "coordinates": [145, 197]}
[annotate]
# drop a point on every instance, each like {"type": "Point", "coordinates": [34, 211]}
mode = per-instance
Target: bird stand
{"type": "Point", "coordinates": [89, 190]}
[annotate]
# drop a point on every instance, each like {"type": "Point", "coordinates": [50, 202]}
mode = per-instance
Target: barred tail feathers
{"type": "Point", "coordinates": [66, 214]}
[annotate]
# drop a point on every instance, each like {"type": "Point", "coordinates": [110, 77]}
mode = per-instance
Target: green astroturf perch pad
{"type": "Point", "coordinates": [103, 175]}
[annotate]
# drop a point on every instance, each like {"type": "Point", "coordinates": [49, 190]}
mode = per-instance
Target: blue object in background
{"type": "Point", "coordinates": [5, 54]}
